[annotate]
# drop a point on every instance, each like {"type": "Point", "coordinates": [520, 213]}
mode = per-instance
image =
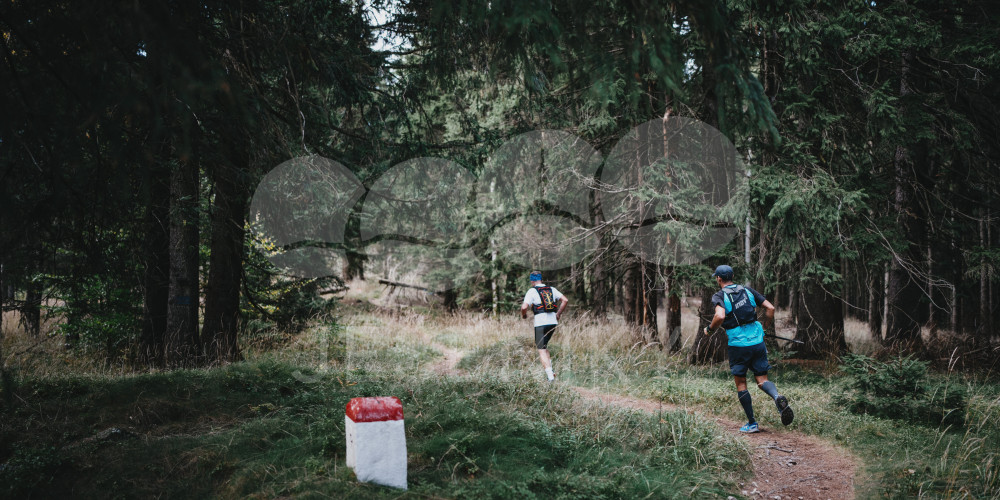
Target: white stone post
{"type": "Point", "coordinates": [376, 440]}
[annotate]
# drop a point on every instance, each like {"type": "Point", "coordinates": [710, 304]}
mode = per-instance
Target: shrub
{"type": "Point", "coordinates": [900, 389]}
{"type": "Point", "coordinates": [285, 303]}
{"type": "Point", "coordinates": [99, 314]}
{"type": "Point", "coordinates": [27, 469]}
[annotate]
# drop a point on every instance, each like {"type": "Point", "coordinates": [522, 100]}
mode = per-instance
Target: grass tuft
{"type": "Point", "coordinates": [272, 426]}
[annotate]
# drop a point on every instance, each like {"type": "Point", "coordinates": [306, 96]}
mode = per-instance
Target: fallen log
{"type": "Point", "coordinates": [394, 284]}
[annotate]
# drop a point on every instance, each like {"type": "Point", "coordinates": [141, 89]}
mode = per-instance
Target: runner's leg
{"type": "Point", "coordinates": [542, 336]}
{"type": "Point", "coordinates": [738, 364]}
{"type": "Point", "coordinates": [744, 396]}
{"type": "Point", "coordinates": [781, 402]}
{"type": "Point", "coordinates": [546, 359]}
{"type": "Point", "coordinates": [767, 386]}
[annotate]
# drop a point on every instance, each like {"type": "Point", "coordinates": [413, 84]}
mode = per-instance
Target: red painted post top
{"type": "Point", "coordinates": [375, 409]}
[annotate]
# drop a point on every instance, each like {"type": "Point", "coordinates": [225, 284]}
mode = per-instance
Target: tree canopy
{"type": "Point", "coordinates": [138, 141]}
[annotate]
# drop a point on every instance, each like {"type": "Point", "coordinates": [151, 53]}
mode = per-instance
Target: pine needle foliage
{"type": "Point", "coordinates": [900, 389]}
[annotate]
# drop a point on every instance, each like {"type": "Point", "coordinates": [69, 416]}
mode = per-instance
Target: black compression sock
{"type": "Point", "coordinates": [747, 404]}
{"type": "Point", "coordinates": [770, 389]}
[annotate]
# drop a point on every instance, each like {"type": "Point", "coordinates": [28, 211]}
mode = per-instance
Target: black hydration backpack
{"type": "Point", "coordinates": [741, 304]}
{"type": "Point", "coordinates": [548, 304]}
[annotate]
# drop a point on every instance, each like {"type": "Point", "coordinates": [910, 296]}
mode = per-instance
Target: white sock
{"type": "Point", "coordinates": [549, 374]}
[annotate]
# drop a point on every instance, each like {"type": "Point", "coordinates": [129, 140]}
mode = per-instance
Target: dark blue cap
{"type": "Point", "coordinates": [725, 272]}
{"type": "Point", "coordinates": [535, 277]}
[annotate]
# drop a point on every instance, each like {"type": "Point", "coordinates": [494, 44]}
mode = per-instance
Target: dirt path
{"type": "Point", "coordinates": [787, 464]}
{"type": "Point", "coordinates": [448, 365]}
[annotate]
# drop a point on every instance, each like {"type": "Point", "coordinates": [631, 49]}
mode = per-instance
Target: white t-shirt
{"type": "Point", "coordinates": [532, 299]}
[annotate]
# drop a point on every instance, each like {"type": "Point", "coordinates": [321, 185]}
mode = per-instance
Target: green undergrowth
{"type": "Point", "coordinates": [901, 455]}
{"type": "Point", "coordinates": [901, 389]}
{"type": "Point", "coordinates": [271, 428]}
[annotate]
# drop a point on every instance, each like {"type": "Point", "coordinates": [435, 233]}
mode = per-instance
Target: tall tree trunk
{"type": "Point", "coordinates": [450, 297]}
{"type": "Point", "coordinates": [181, 335]}
{"type": "Point", "coordinates": [6, 380]}
{"type": "Point", "coordinates": [156, 272]}
{"type": "Point", "coordinates": [354, 265]}
{"type": "Point", "coordinates": [673, 312]}
{"type": "Point", "coordinates": [31, 310]}
{"type": "Point", "coordinates": [876, 296]}
{"type": "Point", "coordinates": [932, 316]}
{"type": "Point", "coordinates": [711, 348]}
{"type": "Point", "coordinates": [3, 299]}
{"type": "Point", "coordinates": [650, 301]}
{"type": "Point", "coordinates": [903, 299]}
{"type": "Point", "coordinates": [991, 320]}
{"type": "Point", "coordinates": [846, 304]}
{"type": "Point", "coordinates": [619, 297]}
{"type": "Point", "coordinates": [222, 292]}
{"type": "Point", "coordinates": [494, 276]}
{"type": "Point", "coordinates": [905, 292]}
{"type": "Point", "coordinates": [984, 328]}
{"type": "Point", "coordinates": [580, 282]}
{"type": "Point", "coordinates": [793, 300]}
{"type": "Point", "coordinates": [354, 258]}
{"type": "Point", "coordinates": [954, 323]}
{"type": "Point", "coordinates": [599, 289]}
{"type": "Point", "coordinates": [820, 323]}
{"type": "Point", "coordinates": [641, 298]}
{"type": "Point", "coordinates": [631, 293]}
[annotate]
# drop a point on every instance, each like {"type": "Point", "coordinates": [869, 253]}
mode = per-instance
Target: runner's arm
{"type": "Point", "coordinates": [768, 313]}
{"type": "Point", "coordinates": [563, 302]}
{"type": "Point", "coordinates": [720, 316]}
{"type": "Point", "coordinates": [527, 302]}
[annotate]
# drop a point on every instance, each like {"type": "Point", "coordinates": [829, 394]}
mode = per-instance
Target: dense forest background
{"type": "Point", "coordinates": [134, 136]}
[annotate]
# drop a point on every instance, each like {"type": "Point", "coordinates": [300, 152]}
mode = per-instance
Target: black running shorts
{"type": "Point", "coordinates": [543, 334]}
{"type": "Point", "coordinates": [752, 357]}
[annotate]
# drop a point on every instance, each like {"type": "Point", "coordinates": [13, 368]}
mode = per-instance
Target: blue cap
{"type": "Point", "coordinates": [535, 277]}
{"type": "Point", "coordinates": [725, 272]}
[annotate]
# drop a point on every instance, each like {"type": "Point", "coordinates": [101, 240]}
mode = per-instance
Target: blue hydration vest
{"type": "Point", "coordinates": [743, 308]}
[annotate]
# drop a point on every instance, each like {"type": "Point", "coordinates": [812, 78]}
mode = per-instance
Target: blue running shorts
{"type": "Point", "coordinates": [752, 357]}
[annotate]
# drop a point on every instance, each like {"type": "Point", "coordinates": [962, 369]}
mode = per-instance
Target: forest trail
{"type": "Point", "coordinates": [787, 464]}
{"type": "Point", "coordinates": [448, 365]}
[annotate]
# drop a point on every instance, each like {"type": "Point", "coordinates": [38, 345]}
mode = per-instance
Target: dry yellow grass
{"type": "Point", "coordinates": [379, 317]}
{"type": "Point", "coordinates": [407, 313]}
{"type": "Point", "coordinates": [46, 355]}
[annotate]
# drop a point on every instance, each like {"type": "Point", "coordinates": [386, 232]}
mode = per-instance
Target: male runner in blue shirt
{"type": "Point", "coordinates": [735, 310]}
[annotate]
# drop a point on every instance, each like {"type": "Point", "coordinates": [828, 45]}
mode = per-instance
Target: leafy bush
{"type": "Point", "coordinates": [273, 300]}
{"type": "Point", "coordinates": [28, 468]}
{"type": "Point", "coordinates": [298, 301]}
{"type": "Point", "coordinates": [99, 314]}
{"type": "Point", "coordinates": [900, 389]}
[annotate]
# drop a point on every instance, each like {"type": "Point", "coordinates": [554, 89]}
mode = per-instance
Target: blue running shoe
{"type": "Point", "coordinates": [786, 411]}
{"type": "Point", "coordinates": [749, 427]}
